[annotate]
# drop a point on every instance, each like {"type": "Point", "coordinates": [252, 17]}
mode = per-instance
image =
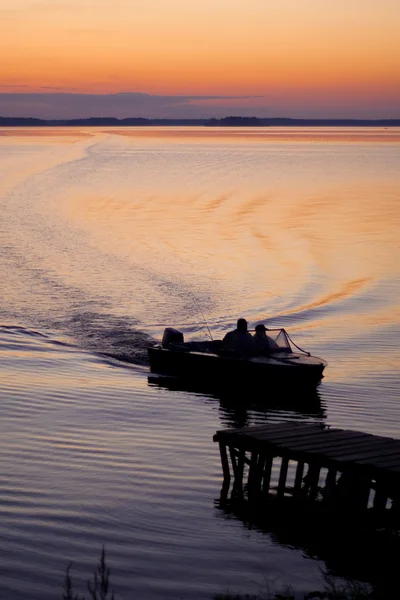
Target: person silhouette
{"type": "Point", "coordinates": [262, 343]}
{"type": "Point", "coordinates": [239, 340]}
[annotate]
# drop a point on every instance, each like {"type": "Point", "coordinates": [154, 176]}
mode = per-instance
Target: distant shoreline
{"type": "Point", "coordinates": [224, 122]}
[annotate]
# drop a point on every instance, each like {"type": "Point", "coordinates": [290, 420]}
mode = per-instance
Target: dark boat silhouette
{"type": "Point", "coordinates": [209, 361]}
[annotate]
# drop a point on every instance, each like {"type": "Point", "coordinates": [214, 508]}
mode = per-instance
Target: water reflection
{"type": "Point", "coordinates": [107, 239]}
{"type": "Point", "coordinates": [241, 407]}
{"type": "Point", "coordinates": [349, 550]}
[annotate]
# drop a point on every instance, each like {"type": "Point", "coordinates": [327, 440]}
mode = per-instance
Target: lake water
{"type": "Point", "coordinates": [107, 236]}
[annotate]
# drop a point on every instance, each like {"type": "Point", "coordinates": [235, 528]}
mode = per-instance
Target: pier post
{"type": "Point", "coordinates": [224, 462]}
{"type": "Point", "coordinates": [298, 479]}
{"type": "Point", "coordinates": [311, 481]}
{"type": "Point", "coordinates": [330, 485]}
{"type": "Point", "coordinates": [282, 478]}
{"type": "Point", "coordinates": [233, 461]}
{"type": "Point", "coordinates": [238, 481]}
{"type": "Point", "coordinates": [252, 482]}
{"type": "Point", "coordinates": [267, 473]}
{"type": "Point", "coordinates": [380, 499]}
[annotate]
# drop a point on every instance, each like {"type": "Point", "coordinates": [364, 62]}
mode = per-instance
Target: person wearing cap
{"type": "Point", "coordinates": [239, 341]}
{"type": "Point", "coordinates": [262, 343]}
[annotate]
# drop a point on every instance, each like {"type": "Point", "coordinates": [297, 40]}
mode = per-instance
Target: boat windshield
{"type": "Point", "coordinates": [278, 340]}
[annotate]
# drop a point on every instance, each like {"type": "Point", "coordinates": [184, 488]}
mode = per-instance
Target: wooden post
{"type": "Point", "coordinates": [316, 469]}
{"type": "Point", "coordinates": [282, 478]}
{"type": "Point", "coordinates": [358, 490]}
{"type": "Point", "coordinates": [298, 479]}
{"type": "Point", "coordinates": [311, 481]}
{"type": "Point", "coordinates": [260, 469]}
{"type": "Point", "coordinates": [330, 485]}
{"type": "Point", "coordinates": [395, 510]}
{"type": "Point", "coordinates": [224, 491]}
{"type": "Point", "coordinates": [224, 462]}
{"type": "Point", "coordinates": [232, 454]}
{"type": "Point", "coordinates": [381, 497]}
{"type": "Point", "coordinates": [252, 481]}
{"type": "Point", "coordinates": [238, 483]}
{"type": "Point", "coordinates": [267, 473]}
{"type": "Point", "coordinates": [362, 492]}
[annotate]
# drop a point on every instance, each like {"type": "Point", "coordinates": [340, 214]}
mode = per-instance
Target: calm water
{"type": "Point", "coordinates": [109, 235]}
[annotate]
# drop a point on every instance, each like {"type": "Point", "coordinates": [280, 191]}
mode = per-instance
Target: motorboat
{"type": "Point", "coordinates": [285, 363]}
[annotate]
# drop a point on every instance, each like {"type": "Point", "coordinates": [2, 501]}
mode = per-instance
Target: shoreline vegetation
{"type": "Point", "coordinates": [231, 121]}
{"type": "Point", "coordinates": [334, 589]}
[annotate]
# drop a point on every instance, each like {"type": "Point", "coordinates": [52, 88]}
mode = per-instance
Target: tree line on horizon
{"type": "Point", "coordinates": [231, 121]}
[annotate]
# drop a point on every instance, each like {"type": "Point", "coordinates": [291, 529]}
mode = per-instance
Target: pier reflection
{"type": "Point", "coordinates": [349, 550]}
{"type": "Point", "coordinates": [250, 405]}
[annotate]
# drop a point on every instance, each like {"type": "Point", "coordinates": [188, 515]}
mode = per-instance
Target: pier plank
{"type": "Point", "coordinates": [285, 434]}
{"type": "Point", "coordinates": [390, 463]}
{"type": "Point", "coordinates": [369, 454]}
{"type": "Point", "coordinates": [346, 450]}
{"type": "Point", "coordinates": [280, 430]}
{"type": "Point", "coordinates": [327, 441]}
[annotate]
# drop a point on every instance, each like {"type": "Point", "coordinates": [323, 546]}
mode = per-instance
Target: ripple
{"type": "Point", "coordinates": [110, 240]}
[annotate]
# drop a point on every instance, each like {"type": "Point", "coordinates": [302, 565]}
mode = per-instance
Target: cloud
{"type": "Point", "coordinates": [51, 87]}
{"type": "Point", "coordinates": [12, 86]}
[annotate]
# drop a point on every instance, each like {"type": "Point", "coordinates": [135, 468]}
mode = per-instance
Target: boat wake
{"type": "Point", "coordinates": [109, 335]}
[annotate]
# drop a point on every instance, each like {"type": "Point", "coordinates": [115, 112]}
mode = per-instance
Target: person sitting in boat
{"type": "Point", "coordinates": [263, 343]}
{"type": "Point", "coordinates": [239, 341]}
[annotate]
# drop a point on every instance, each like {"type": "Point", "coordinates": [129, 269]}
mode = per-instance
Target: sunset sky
{"type": "Point", "coordinates": [186, 58]}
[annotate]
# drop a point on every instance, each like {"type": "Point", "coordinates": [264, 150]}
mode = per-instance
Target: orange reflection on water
{"type": "Point", "coordinates": [71, 133]}
{"type": "Point", "coordinates": [263, 134]}
{"type": "Point", "coordinates": [153, 218]}
{"type": "Point", "coordinates": [348, 290]}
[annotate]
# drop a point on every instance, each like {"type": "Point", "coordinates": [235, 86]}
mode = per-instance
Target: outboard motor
{"type": "Point", "coordinates": [171, 336]}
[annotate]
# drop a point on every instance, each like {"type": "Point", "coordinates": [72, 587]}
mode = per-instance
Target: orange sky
{"type": "Point", "coordinates": [317, 53]}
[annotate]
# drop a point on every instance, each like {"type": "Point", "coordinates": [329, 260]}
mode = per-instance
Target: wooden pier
{"type": "Point", "coordinates": [331, 468]}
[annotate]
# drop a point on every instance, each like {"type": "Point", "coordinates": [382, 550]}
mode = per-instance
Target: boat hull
{"type": "Point", "coordinates": [286, 370]}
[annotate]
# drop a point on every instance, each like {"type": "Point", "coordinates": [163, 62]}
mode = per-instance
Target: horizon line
{"type": "Point", "coordinates": [203, 120]}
